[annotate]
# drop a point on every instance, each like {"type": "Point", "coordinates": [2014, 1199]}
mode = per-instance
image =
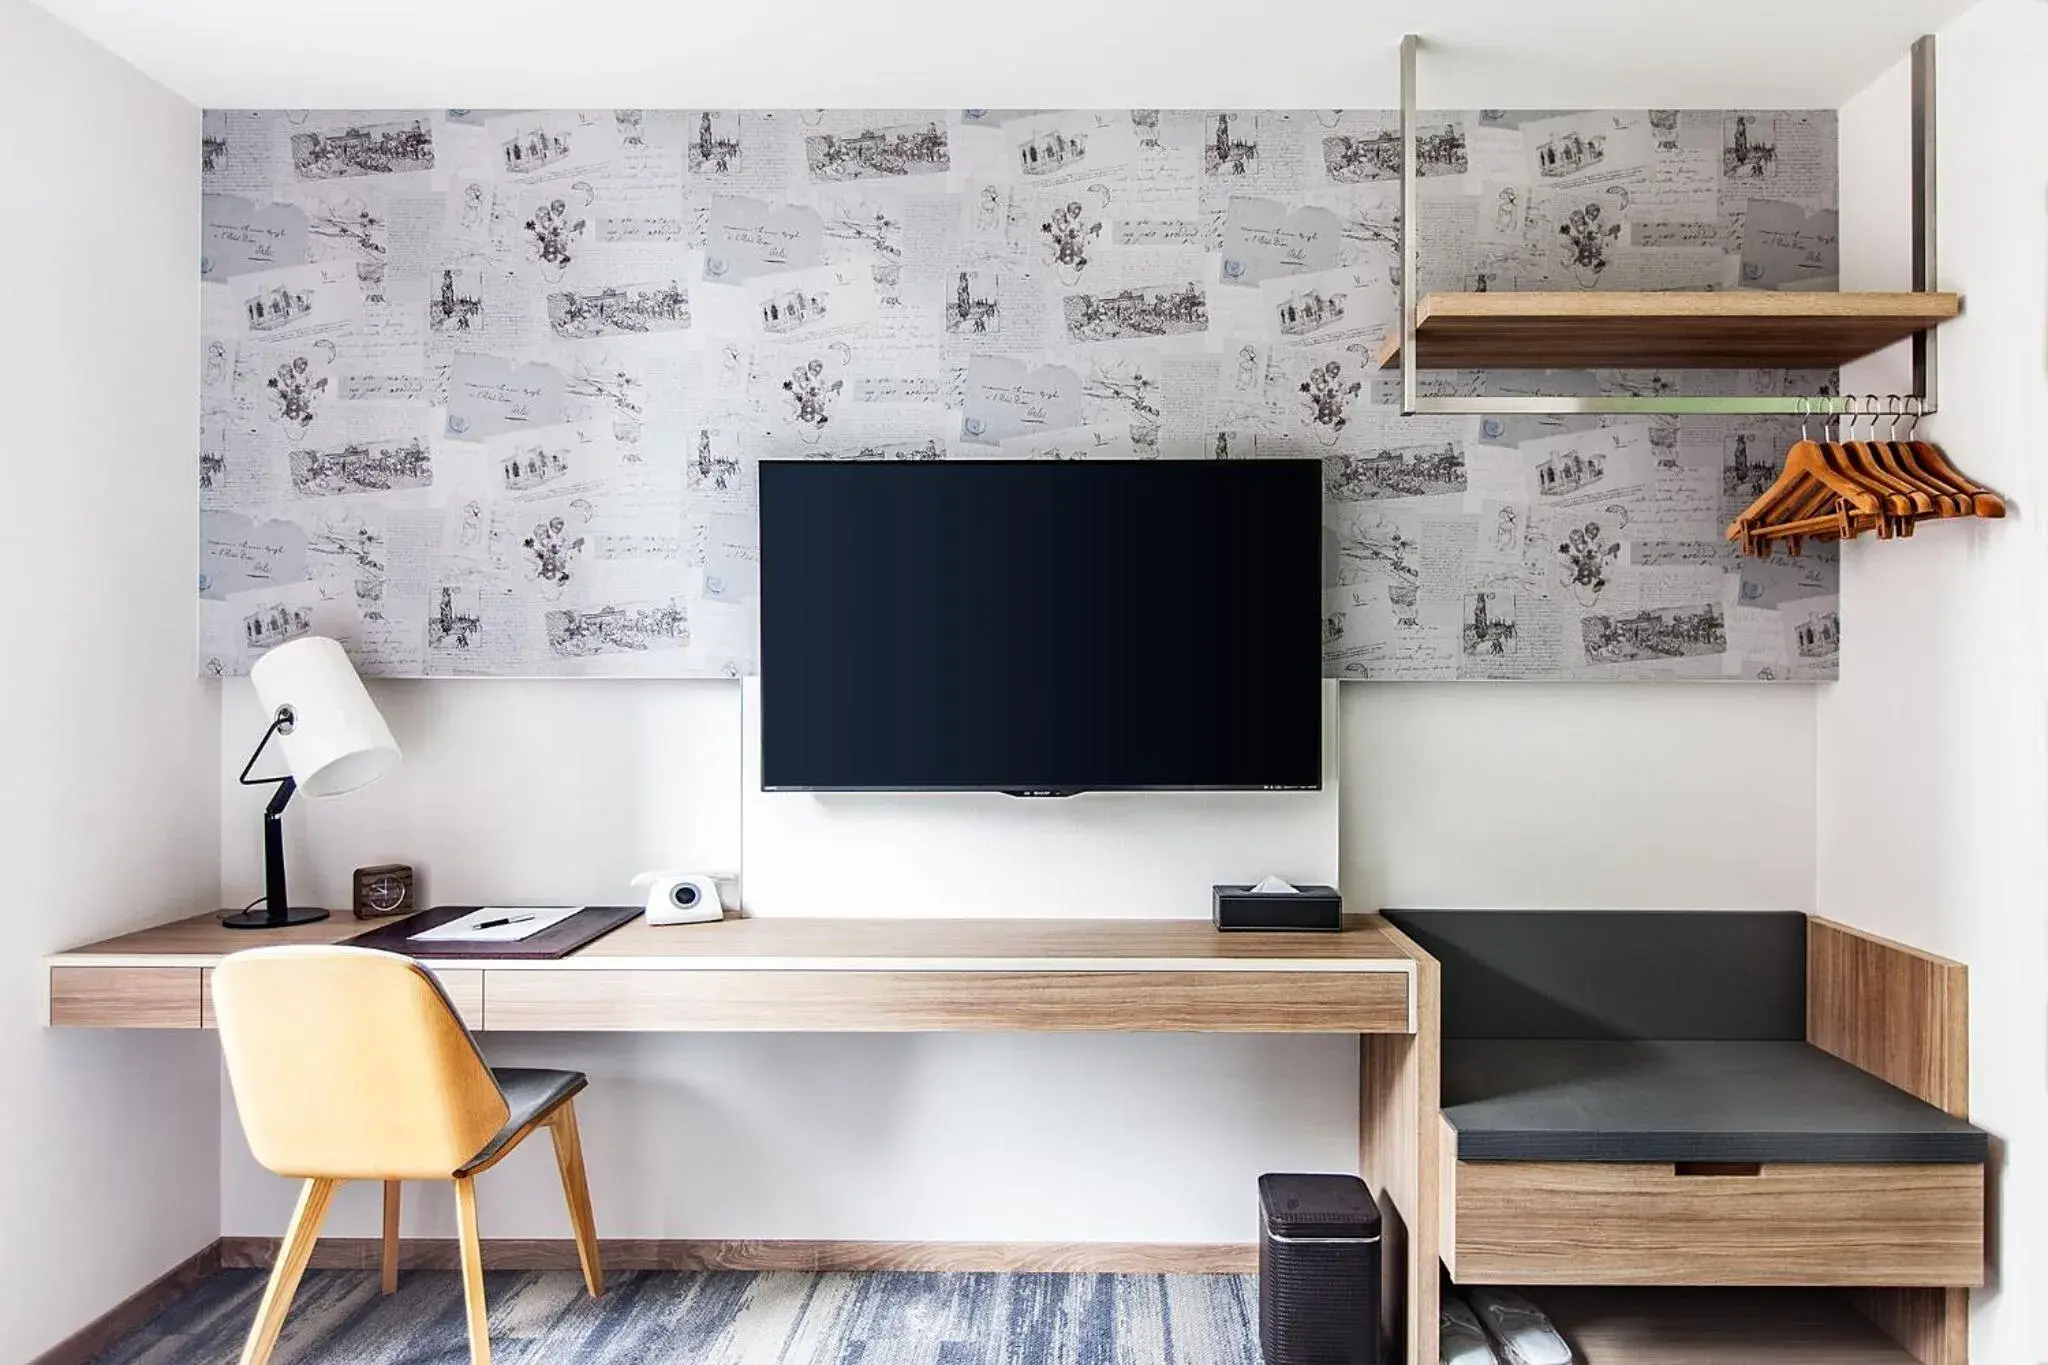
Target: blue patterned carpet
{"type": "Point", "coordinates": [728, 1318]}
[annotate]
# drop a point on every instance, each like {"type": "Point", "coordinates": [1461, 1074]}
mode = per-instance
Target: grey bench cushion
{"type": "Point", "coordinates": [1604, 1100]}
{"type": "Point", "coordinates": [530, 1092]}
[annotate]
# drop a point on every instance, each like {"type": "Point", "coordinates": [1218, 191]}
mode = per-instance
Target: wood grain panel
{"type": "Point", "coordinates": [1715, 1327]}
{"type": "Point", "coordinates": [1126, 1258]}
{"type": "Point", "coordinates": [465, 987]}
{"type": "Point", "coordinates": [791, 940]}
{"type": "Point", "coordinates": [1893, 1011]}
{"type": "Point", "coordinates": [856, 1001]}
{"type": "Point", "coordinates": [1595, 1223]}
{"type": "Point", "coordinates": [1902, 1015]}
{"type": "Point", "coordinates": [1400, 1129]}
{"type": "Point", "coordinates": [1680, 330]}
{"type": "Point", "coordinates": [124, 997]}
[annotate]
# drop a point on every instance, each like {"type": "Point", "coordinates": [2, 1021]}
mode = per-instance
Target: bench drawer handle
{"type": "Point", "coordinates": [1741, 1168]}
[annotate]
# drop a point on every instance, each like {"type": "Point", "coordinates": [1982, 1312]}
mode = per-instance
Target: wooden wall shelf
{"type": "Point", "coordinates": [1690, 330]}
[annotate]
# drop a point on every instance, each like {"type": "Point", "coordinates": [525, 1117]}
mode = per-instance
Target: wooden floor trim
{"type": "Point", "coordinates": [632, 1253]}
{"type": "Point", "coordinates": [124, 1317]}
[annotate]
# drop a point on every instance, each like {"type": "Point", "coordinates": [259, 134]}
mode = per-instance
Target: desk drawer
{"type": "Point", "coordinates": [905, 1001]}
{"type": "Point", "coordinates": [124, 997]}
{"type": "Point", "coordinates": [1792, 1224]}
{"type": "Point", "coordinates": [465, 987]}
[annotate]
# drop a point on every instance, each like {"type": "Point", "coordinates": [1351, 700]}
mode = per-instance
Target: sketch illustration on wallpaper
{"type": "Point", "coordinates": [273, 625]}
{"type": "Point", "coordinates": [975, 309]}
{"type": "Point", "coordinates": [551, 550]}
{"type": "Point", "coordinates": [530, 467]}
{"type": "Point", "coordinates": [481, 350]}
{"type": "Point", "coordinates": [810, 394]}
{"type": "Point", "coordinates": [456, 622]}
{"type": "Point", "coordinates": [363, 149]}
{"type": "Point", "coordinates": [1327, 395]}
{"type": "Point", "coordinates": [1745, 474]}
{"type": "Point", "coordinates": [1234, 148]}
{"type": "Point", "coordinates": [1489, 624]}
{"type": "Point", "coordinates": [292, 390]}
{"type": "Point", "coordinates": [533, 150]}
{"type": "Point", "coordinates": [1819, 635]}
{"type": "Point", "coordinates": [616, 630]}
{"type": "Point", "coordinates": [1067, 233]}
{"type": "Point", "coordinates": [1507, 530]}
{"type": "Point", "coordinates": [1570, 153]}
{"type": "Point", "coordinates": [1749, 147]}
{"type": "Point", "coordinates": [890, 151]}
{"type": "Point", "coordinates": [1655, 634]}
{"type": "Point", "coordinates": [1569, 472]}
{"type": "Point", "coordinates": [1352, 160]}
{"type": "Point", "coordinates": [553, 233]}
{"type": "Point", "coordinates": [1146, 311]}
{"type": "Point", "coordinates": [459, 303]}
{"type": "Point", "coordinates": [711, 469]}
{"type": "Point", "coordinates": [1583, 559]}
{"type": "Point", "coordinates": [619, 310]}
{"type": "Point", "coordinates": [1405, 599]}
{"type": "Point", "coordinates": [362, 467]}
{"type": "Point", "coordinates": [715, 150]}
{"type": "Point", "coordinates": [1403, 472]}
{"type": "Point", "coordinates": [1587, 240]}
{"type": "Point", "coordinates": [347, 537]}
{"type": "Point", "coordinates": [1309, 311]}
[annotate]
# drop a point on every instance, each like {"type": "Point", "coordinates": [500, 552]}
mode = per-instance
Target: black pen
{"type": "Point", "coordinates": [501, 923]}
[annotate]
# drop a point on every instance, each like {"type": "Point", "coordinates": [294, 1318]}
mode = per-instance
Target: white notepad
{"type": "Point", "coordinates": [485, 925]}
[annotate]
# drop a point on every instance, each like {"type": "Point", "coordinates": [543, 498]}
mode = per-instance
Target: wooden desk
{"type": "Point", "coordinates": [868, 975]}
{"type": "Point", "coordinates": [828, 975]}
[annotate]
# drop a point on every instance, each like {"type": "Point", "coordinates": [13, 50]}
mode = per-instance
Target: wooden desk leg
{"type": "Point", "coordinates": [1399, 1127]}
{"type": "Point", "coordinates": [391, 1199]}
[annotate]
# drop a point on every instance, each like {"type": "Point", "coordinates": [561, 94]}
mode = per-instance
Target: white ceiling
{"type": "Point", "coordinates": [1022, 53]}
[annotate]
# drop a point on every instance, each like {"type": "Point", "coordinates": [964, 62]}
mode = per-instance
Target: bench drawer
{"type": "Point", "coordinates": [1701, 1224]}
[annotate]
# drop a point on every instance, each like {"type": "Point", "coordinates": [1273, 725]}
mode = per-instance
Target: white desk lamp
{"type": "Point", "coordinates": [334, 742]}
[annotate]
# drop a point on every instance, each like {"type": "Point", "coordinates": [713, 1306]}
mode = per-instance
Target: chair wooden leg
{"type": "Point", "coordinates": [391, 1199]}
{"type": "Point", "coordinates": [472, 1271]}
{"type": "Point", "coordinates": [576, 1192]}
{"type": "Point", "coordinates": [292, 1256]}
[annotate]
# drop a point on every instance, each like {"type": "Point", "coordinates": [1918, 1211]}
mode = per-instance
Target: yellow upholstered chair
{"type": "Point", "coordinates": [349, 1064]}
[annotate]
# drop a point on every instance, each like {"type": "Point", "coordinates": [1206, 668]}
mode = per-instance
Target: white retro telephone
{"type": "Point", "coordinates": [681, 897]}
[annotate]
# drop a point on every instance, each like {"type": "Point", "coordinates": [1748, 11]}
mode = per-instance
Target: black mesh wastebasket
{"type": "Point", "coordinates": [1319, 1271]}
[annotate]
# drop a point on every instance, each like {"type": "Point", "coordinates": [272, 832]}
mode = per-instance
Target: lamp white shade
{"type": "Point", "coordinates": [338, 741]}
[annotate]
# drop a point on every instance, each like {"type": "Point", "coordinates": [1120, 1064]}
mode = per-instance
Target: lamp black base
{"type": "Point", "coordinates": [260, 918]}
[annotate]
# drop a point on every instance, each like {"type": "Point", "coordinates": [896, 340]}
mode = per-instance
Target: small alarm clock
{"type": "Point", "coordinates": [386, 889]}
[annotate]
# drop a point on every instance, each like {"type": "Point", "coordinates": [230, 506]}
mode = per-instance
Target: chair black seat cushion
{"type": "Point", "coordinates": [531, 1093]}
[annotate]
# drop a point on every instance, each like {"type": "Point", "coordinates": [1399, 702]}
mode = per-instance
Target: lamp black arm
{"type": "Point", "coordinates": [277, 910]}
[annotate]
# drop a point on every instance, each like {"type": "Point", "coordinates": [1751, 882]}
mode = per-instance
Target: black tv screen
{"type": "Point", "coordinates": [1041, 627]}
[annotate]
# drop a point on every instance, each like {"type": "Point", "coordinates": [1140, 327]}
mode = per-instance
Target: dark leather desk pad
{"type": "Point", "coordinates": [1601, 1100]}
{"type": "Point", "coordinates": [581, 929]}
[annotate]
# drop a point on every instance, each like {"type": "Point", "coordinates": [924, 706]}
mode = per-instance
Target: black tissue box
{"type": "Point", "coordinates": [1306, 909]}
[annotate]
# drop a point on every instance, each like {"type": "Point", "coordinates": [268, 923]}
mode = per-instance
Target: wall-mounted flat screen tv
{"type": "Point", "coordinates": [1041, 627]}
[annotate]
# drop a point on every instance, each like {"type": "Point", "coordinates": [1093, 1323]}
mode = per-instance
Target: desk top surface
{"type": "Point", "coordinates": [909, 944]}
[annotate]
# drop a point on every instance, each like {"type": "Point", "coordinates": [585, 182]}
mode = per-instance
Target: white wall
{"type": "Point", "coordinates": [109, 809]}
{"type": "Point", "coordinates": [1933, 749]}
{"type": "Point", "coordinates": [1586, 795]}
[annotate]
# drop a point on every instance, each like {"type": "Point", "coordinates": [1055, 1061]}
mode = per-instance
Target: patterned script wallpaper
{"type": "Point", "coordinates": [484, 392]}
